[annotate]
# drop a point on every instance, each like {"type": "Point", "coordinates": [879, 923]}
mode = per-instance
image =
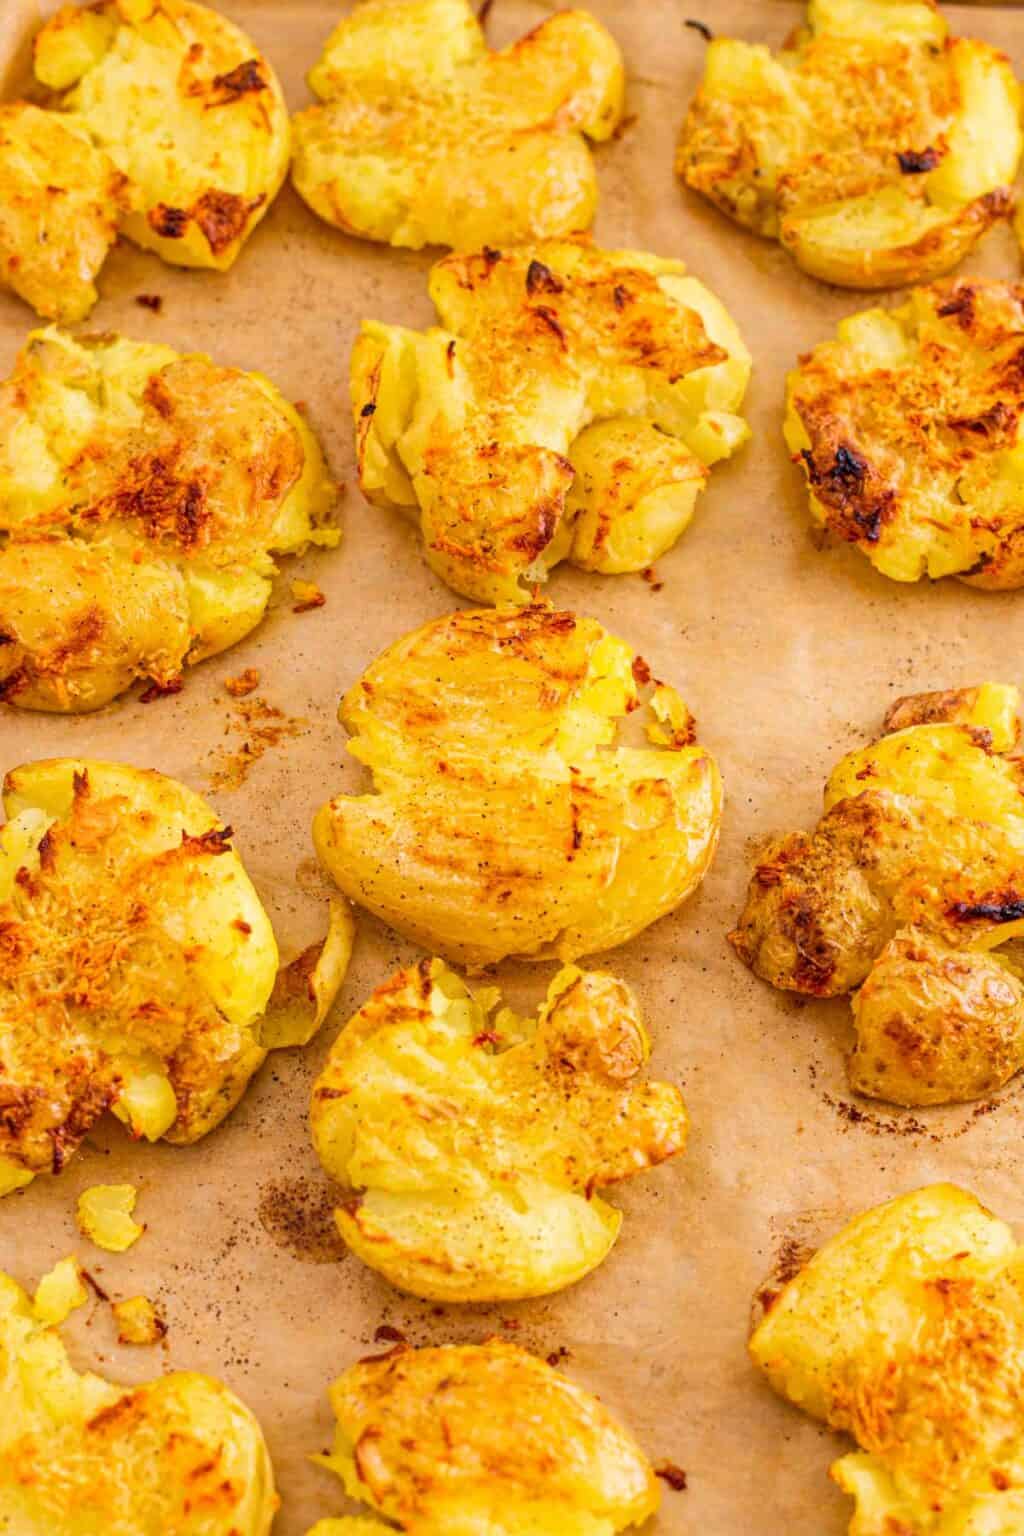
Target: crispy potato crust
{"type": "Point", "coordinates": [79, 1454]}
{"type": "Point", "coordinates": [505, 820]}
{"type": "Point", "coordinates": [569, 406]}
{"type": "Point", "coordinates": [907, 427]}
{"type": "Point", "coordinates": [913, 875]}
{"type": "Point", "coordinates": [144, 495]}
{"type": "Point", "coordinates": [472, 1142]}
{"type": "Point", "coordinates": [876, 148]}
{"type": "Point", "coordinates": [906, 1331]}
{"type": "Point", "coordinates": [426, 137]}
{"type": "Point", "coordinates": [484, 1438]}
{"type": "Point", "coordinates": [186, 108]}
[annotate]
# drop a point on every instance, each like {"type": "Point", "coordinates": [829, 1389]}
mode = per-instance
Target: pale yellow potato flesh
{"type": "Point", "coordinates": [906, 1331]}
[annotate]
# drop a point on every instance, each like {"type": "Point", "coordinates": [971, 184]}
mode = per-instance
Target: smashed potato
{"type": "Point", "coordinates": [505, 819]}
{"type": "Point", "coordinates": [874, 146]}
{"type": "Point", "coordinates": [144, 495]}
{"type": "Point", "coordinates": [912, 878]}
{"type": "Point", "coordinates": [475, 1439]}
{"type": "Point", "coordinates": [80, 1456]}
{"type": "Point", "coordinates": [61, 201]}
{"type": "Point", "coordinates": [569, 406]}
{"type": "Point", "coordinates": [136, 966]}
{"type": "Point", "coordinates": [187, 109]}
{"type": "Point", "coordinates": [907, 426]}
{"type": "Point", "coordinates": [423, 136]}
{"type": "Point", "coordinates": [906, 1331]}
{"type": "Point", "coordinates": [472, 1142]}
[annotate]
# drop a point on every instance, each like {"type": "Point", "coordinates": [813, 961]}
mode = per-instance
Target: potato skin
{"type": "Point", "coordinates": [906, 1331]}
{"type": "Point", "coordinates": [426, 137]}
{"type": "Point", "coordinates": [498, 826]}
{"type": "Point", "coordinates": [569, 406]}
{"type": "Point", "coordinates": [876, 148]}
{"type": "Point", "coordinates": [440, 1439]}
{"type": "Point", "coordinates": [547, 1112]}
{"type": "Point", "coordinates": [186, 108]}
{"type": "Point", "coordinates": [916, 865]}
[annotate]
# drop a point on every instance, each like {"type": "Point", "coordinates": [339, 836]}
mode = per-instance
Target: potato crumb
{"type": "Point", "coordinates": [59, 1292]}
{"type": "Point", "coordinates": [138, 1321]}
{"type": "Point", "coordinates": [307, 595]}
{"type": "Point", "coordinates": [105, 1216]}
{"type": "Point", "coordinates": [245, 683]}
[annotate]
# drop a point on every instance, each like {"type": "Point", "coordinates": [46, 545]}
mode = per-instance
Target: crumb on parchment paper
{"type": "Point", "coordinates": [245, 683]}
{"type": "Point", "coordinates": [138, 1321]}
{"type": "Point", "coordinates": [262, 727]}
{"type": "Point", "coordinates": [307, 595]}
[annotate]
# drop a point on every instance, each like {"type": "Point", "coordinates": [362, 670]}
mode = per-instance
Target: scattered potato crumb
{"type": "Point", "coordinates": [151, 301]}
{"type": "Point", "coordinates": [245, 683]}
{"type": "Point", "coordinates": [105, 1216]}
{"type": "Point", "coordinates": [138, 1321]}
{"type": "Point", "coordinates": [307, 595]}
{"type": "Point", "coordinates": [59, 1292]}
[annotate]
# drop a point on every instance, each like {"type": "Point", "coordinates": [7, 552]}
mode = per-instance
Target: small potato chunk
{"type": "Point", "coordinates": [906, 1332]}
{"type": "Point", "coordinates": [143, 497]}
{"type": "Point", "coordinates": [876, 148]}
{"type": "Point", "coordinates": [472, 1170]}
{"type": "Point", "coordinates": [916, 869]}
{"type": "Point", "coordinates": [505, 819]}
{"type": "Point", "coordinates": [186, 108]}
{"type": "Point", "coordinates": [569, 407]}
{"type": "Point", "coordinates": [483, 1438]}
{"type": "Point", "coordinates": [61, 201]}
{"type": "Point", "coordinates": [138, 1321]}
{"type": "Point", "coordinates": [426, 137]}
{"type": "Point", "coordinates": [59, 1293]}
{"type": "Point", "coordinates": [78, 1454]}
{"type": "Point", "coordinates": [105, 1216]}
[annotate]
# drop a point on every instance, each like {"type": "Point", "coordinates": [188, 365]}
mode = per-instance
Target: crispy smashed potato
{"type": "Point", "coordinates": [912, 878]}
{"type": "Point", "coordinates": [907, 426]}
{"type": "Point", "coordinates": [569, 406]}
{"type": "Point", "coordinates": [505, 819]}
{"type": "Point", "coordinates": [104, 1216]}
{"type": "Point", "coordinates": [61, 201]}
{"type": "Point", "coordinates": [80, 1456]}
{"type": "Point", "coordinates": [463, 1441]}
{"type": "Point", "coordinates": [906, 1331]}
{"type": "Point", "coordinates": [135, 970]}
{"type": "Point", "coordinates": [472, 1142]}
{"type": "Point", "coordinates": [144, 495]}
{"type": "Point", "coordinates": [425, 137]}
{"type": "Point", "coordinates": [874, 146]}
{"type": "Point", "coordinates": [187, 109]}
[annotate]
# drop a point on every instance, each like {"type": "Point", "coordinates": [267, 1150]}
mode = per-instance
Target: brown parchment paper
{"type": "Point", "coordinates": [788, 655]}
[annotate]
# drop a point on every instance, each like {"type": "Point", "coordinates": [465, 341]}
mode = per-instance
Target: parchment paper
{"type": "Point", "coordinates": [788, 655]}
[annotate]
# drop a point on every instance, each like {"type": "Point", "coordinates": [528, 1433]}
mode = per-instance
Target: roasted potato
{"type": "Point", "coordinates": [143, 495]}
{"type": "Point", "coordinates": [505, 819]}
{"type": "Point", "coordinates": [912, 878]}
{"type": "Point", "coordinates": [80, 1456]}
{"type": "Point", "coordinates": [569, 406]}
{"type": "Point", "coordinates": [425, 137]}
{"type": "Point", "coordinates": [472, 1142]}
{"type": "Point", "coordinates": [906, 427]}
{"type": "Point", "coordinates": [61, 201]}
{"type": "Point", "coordinates": [186, 108]}
{"type": "Point", "coordinates": [906, 1331]}
{"type": "Point", "coordinates": [137, 965]}
{"type": "Point", "coordinates": [874, 146]}
{"type": "Point", "coordinates": [482, 1440]}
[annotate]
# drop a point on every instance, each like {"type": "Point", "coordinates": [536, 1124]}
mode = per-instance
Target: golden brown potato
{"type": "Point", "coordinates": [483, 1438]}
{"type": "Point", "coordinates": [906, 427]}
{"type": "Point", "coordinates": [136, 969]}
{"type": "Point", "coordinates": [568, 407]}
{"type": "Point", "coordinates": [875, 147]}
{"type": "Point", "coordinates": [80, 1456]}
{"type": "Point", "coordinates": [61, 200]}
{"type": "Point", "coordinates": [471, 1143]}
{"type": "Point", "coordinates": [505, 819]}
{"type": "Point", "coordinates": [906, 1331]}
{"type": "Point", "coordinates": [143, 495]}
{"type": "Point", "coordinates": [917, 864]}
{"type": "Point", "coordinates": [185, 106]}
{"type": "Point", "coordinates": [426, 137]}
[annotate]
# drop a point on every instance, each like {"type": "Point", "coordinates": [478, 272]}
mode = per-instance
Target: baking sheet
{"type": "Point", "coordinates": [789, 656]}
